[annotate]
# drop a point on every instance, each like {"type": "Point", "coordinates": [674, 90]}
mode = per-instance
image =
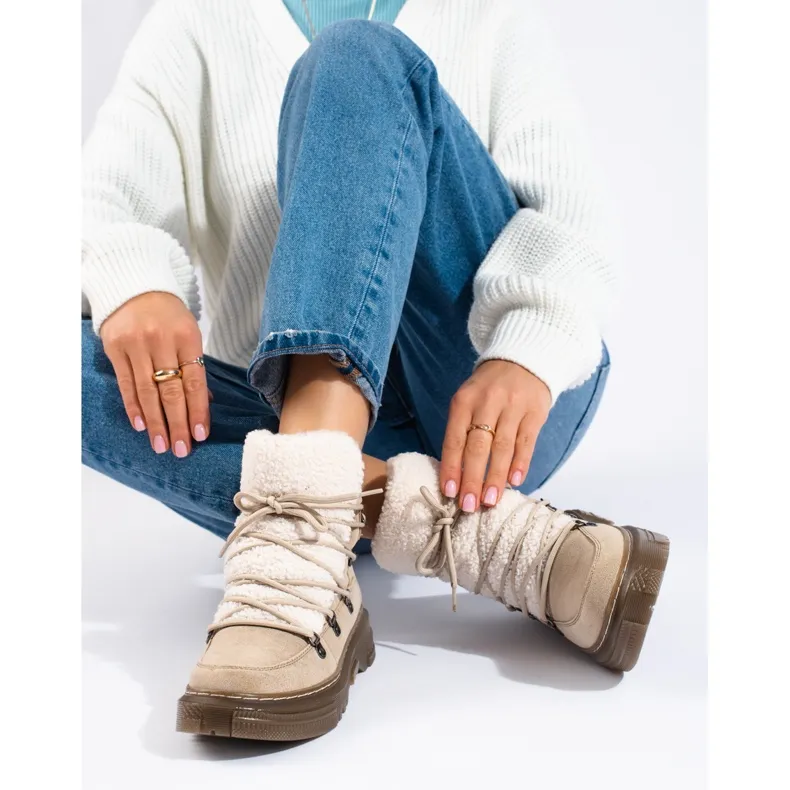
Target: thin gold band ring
{"type": "Point", "coordinates": [195, 361]}
{"type": "Point", "coordinates": [476, 426]}
{"type": "Point", "coordinates": [166, 374]}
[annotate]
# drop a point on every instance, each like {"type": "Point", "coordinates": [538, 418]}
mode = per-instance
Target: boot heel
{"type": "Point", "coordinates": [366, 650]}
{"type": "Point", "coordinates": [633, 607]}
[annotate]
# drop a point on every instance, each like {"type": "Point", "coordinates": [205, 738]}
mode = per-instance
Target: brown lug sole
{"type": "Point", "coordinates": [281, 718]}
{"type": "Point", "coordinates": [632, 606]}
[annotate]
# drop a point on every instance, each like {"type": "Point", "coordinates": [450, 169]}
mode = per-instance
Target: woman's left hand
{"type": "Point", "coordinates": [515, 404]}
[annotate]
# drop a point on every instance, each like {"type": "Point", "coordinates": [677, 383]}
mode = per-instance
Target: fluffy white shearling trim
{"type": "Point", "coordinates": [404, 529]}
{"type": "Point", "coordinates": [322, 463]}
{"type": "Point", "coordinates": [404, 526]}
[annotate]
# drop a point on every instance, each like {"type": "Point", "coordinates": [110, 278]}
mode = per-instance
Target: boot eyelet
{"type": "Point", "coordinates": [349, 605]}
{"type": "Point", "coordinates": [334, 625]}
{"type": "Point", "coordinates": [319, 648]}
{"type": "Point", "coordinates": [550, 622]}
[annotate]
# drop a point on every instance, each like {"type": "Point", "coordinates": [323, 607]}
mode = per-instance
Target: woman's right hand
{"type": "Point", "coordinates": [151, 332]}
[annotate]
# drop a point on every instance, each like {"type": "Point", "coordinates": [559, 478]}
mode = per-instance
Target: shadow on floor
{"type": "Point", "coordinates": [147, 613]}
{"type": "Point", "coordinates": [523, 650]}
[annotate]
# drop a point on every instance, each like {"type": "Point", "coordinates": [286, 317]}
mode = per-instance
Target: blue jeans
{"type": "Point", "coordinates": [389, 202]}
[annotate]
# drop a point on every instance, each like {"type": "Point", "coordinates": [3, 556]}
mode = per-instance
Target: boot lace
{"type": "Point", "coordinates": [438, 552]}
{"type": "Point", "coordinates": [251, 526]}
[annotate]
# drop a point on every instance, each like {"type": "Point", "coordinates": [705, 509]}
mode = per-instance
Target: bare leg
{"type": "Point", "coordinates": [375, 477]}
{"type": "Point", "coordinates": [318, 397]}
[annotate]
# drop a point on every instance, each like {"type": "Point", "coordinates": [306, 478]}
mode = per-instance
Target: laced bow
{"type": "Point", "coordinates": [251, 526]}
{"type": "Point", "coordinates": [438, 552]}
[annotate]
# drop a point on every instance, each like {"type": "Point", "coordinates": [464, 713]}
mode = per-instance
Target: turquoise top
{"type": "Point", "coordinates": [324, 12]}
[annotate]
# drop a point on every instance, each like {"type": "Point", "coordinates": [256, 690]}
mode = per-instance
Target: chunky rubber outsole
{"type": "Point", "coordinates": [632, 606]}
{"type": "Point", "coordinates": [281, 718]}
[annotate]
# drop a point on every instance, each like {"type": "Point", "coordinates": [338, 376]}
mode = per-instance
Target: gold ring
{"type": "Point", "coordinates": [480, 427]}
{"type": "Point", "coordinates": [195, 361]}
{"type": "Point", "coordinates": [167, 374]}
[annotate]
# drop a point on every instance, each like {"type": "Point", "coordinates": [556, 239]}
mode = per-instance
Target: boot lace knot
{"type": "Point", "coordinates": [250, 532]}
{"type": "Point", "coordinates": [438, 552]}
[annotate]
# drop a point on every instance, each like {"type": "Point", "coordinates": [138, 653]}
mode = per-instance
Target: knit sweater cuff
{"type": "Point", "coordinates": [527, 338]}
{"type": "Point", "coordinates": [125, 260]}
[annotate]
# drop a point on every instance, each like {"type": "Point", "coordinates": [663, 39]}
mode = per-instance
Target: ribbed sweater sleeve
{"type": "Point", "coordinates": [135, 220]}
{"type": "Point", "coordinates": [544, 288]}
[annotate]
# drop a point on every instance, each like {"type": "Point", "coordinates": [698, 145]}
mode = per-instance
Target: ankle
{"type": "Point", "coordinates": [375, 477]}
{"type": "Point", "coordinates": [319, 397]}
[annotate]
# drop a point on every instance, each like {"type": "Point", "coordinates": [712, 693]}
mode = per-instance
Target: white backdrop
{"type": "Point", "coordinates": [472, 681]}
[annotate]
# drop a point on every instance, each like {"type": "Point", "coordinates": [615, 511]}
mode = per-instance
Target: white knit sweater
{"type": "Point", "coordinates": [183, 158]}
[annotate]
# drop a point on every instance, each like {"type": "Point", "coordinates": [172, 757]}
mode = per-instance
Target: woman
{"type": "Point", "coordinates": [398, 242]}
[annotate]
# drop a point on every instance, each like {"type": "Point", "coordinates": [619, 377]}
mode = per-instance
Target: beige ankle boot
{"type": "Point", "coordinates": [593, 581]}
{"type": "Point", "coordinates": [290, 633]}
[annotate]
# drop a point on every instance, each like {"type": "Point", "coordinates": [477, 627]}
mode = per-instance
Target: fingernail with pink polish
{"type": "Point", "coordinates": [490, 497]}
{"type": "Point", "coordinates": [516, 478]}
{"type": "Point", "coordinates": [469, 503]}
{"type": "Point", "coordinates": [139, 424]}
{"type": "Point", "coordinates": [180, 449]}
{"type": "Point", "coordinates": [160, 445]}
{"type": "Point", "coordinates": [200, 432]}
{"type": "Point", "coordinates": [450, 488]}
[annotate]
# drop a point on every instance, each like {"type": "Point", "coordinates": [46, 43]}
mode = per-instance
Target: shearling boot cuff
{"type": "Point", "coordinates": [405, 525]}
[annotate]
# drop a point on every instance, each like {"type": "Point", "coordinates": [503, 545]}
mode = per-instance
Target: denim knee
{"type": "Point", "coordinates": [349, 49]}
{"type": "Point", "coordinates": [350, 38]}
